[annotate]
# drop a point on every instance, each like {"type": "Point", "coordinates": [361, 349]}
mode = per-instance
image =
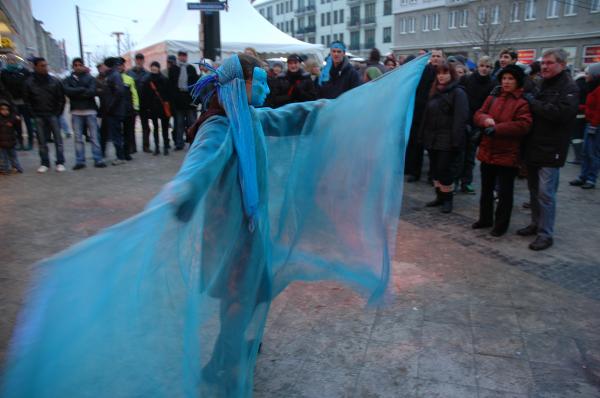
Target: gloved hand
{"type": "Point", "coordinates": [496, 91]}
{"type": "Point", "coordinates": [528, 97]}
{"type": "Point", "coordinates": [489, 131]}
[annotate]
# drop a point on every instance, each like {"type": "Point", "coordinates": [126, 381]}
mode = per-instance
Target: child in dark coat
{"type": "Point", "coordinates": [8, 139]}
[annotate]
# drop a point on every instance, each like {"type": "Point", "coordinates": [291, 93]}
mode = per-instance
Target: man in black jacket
{"type": "Point", "coordinates": [46, 97]}
{"type": "Point", "coordinates": [181, 76]}
{"type": "Point", "coordinates": [114, 107]}
{"type": "Point", "coordinates": [140, 74]}
{"type": "Point", "coordinates": [14, 76]}
{"type": "Point", "coordinates": [554, 109]}
{"type": "Point", "coordinates": [80, 87]}
{"type": "Point", "coordinates": [295, 85]}
{"type": "Point", "coordinates": [338, 76]}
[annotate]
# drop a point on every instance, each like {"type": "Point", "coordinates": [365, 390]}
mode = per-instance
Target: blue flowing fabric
{"type": "Point", "coordinates": [173, 301]}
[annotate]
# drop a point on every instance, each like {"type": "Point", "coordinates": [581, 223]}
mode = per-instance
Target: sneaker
{"type": "Point", "coordinates": [527, 231]}
{"type": "Point", "coordinates": [42, 169]}
{"type": "Point", "coordinates": [576, 182]}
{"type": "Point", "coordinates": [60, 168]}
{"type": "Point", "coordinates": [79, 166]}
{"type": "Point", "coordinates": [100, 165]}
{"type": "Point", "coordinates": [588, 185]}
{"type": "Point", "coordinates": [467, 188]}
{"type": "Point", "coordinates": [117, 162]}
{"type": "Point", "coordinates": [541, 243]}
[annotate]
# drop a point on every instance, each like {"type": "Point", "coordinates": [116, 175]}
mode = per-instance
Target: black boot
{"type": "Point", "coordinates": [165, 151]}
{"type": "Point", "coordinates": [447, 198]}
{"type": "Point", "coordinates": [437, 201]}
{"type": "Point", "coordinates": [156, 151]}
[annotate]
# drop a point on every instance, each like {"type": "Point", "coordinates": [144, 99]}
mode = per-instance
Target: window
{"type": "Point", "coordinates": [435, 21]}
{"type": "Point", "coordinates": [464, 18]}
{"type": "Point", "coordinates": [270, 13]}
{"type": "Point", "coordinates": [287, 26]}
{"type": "Point", "coordinates": [570, 8]}
{"type": "Point", "coordinates": [552, 11]}
{"type": "Point", "coordinates": [403, 26]}
{"type": "Point", "coordinates": [292, 26]}
{"type": "Point", "coordinates": [481, 16]}
{"type": "Point", "coordinates": [328, 18]}
{"type": "Point", "coordinates": [425, 23]}
{"type": "Point", "coordinates": [370, 13]}
{"type": "Point", "coordinates": [335, 17]}
{"type": "Point", "coordinates": [412, 21]}
{"type": "Point", "coordinates": [530, 7]}
{"type": "Point", "coordinates": [452, 16]}
{"type": "Point", "coordinates": [323, 40]}
{"type": "Point", "coordinates": [595, 6]}
{"type": "Point", "coordinates": [387, 7]}
{"type": "Point", "coordinates": [495, 15]}
{"type": "Point", "coordinates": [387, 35]}
{"type": "Point", "coordinates": [355, 40]}
{"type": "Point", "coordinates": [329, 39]}
{"type": "Point", "coordinates": [369, 38]}
{"type": "Point", "coordinates": [354, 15]}
{"type": "Point", "coordinates": [341, 37]}
{"type": "Point", "coordinates": [311, 21]}
{"type": "Point", "coordinates": [341, 16]}
{"type": "Point", "coordinates": [335, 37]}
{"type": "Point", "coordinates": [514, 12]}
{"type": "Point", "coordinates": [322, 19]}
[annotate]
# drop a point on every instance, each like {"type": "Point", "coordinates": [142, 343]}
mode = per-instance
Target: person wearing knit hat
{"type": "Point", "coordinates": [516, 72]}
{"type": "Point", "coordinates": [293, 85]}
{"type": "Point", "coordinates": [590, 164]}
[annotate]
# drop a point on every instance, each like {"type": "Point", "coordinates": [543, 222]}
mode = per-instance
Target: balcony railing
{"type": "Point", "coordinates": [310, 9]}
{"type": "Point", "coordinates": [355, 23]}
{"type": "Point", "coordinates": [306, 29]}
{"type": "Point", "coordinates": [362, 46]}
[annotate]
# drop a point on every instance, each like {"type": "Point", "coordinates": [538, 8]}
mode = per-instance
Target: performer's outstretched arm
{"type": "Point", "coordinates": [292, 119]}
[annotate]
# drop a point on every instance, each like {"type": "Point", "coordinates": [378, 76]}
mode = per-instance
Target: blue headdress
{"type": "Point", "coordinates": [229, 83]}
{"type": "Point", "coordinates": [324, 78]}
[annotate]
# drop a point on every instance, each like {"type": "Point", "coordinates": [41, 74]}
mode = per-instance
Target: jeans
{"type": "Point", "coordinates": [9, 159]}
{"type": "Point", "coordinates": [114, 126]}
{"type": "Point", "coordinates": [543, 184]}
{"type": "Point", "coordinates": [49, 126]}
{"type": "Point", "coordinates": [184, 118]}
{"type": "Point", "coordinates": [505, 177]}
{"type": "Point", "coordinates": [591, 155]}
{"type": "Point", "coordinates": [80, 124]}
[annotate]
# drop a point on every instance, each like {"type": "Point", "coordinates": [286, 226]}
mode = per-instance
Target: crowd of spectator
{"type": "Point", "coordinates": [516, 119]}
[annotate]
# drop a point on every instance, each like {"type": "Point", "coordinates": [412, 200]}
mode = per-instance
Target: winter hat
{"type": "Point", "coordinates": [294, 57]}
{"type": "Point", "coordinates": [111, 62]}
{"type": "Point", "coordinates": [594, 70]}
{"type": "Point", "coordinates": [516, 71]}
{"type": "Point", "coordinates": [4, 102]}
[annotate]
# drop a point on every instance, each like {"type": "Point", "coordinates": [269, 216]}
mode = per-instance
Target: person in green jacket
{"type": "Point", "coordinates": [133, 106]}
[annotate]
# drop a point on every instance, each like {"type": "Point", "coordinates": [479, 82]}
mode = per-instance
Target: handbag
{"type": "Point", "coordinates": [165, 104]}
{"type": "Point", "coordinates": [477, 132]}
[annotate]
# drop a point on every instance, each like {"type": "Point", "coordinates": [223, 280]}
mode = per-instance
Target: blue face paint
{"type": "Point", "coordinates": [260, 88]}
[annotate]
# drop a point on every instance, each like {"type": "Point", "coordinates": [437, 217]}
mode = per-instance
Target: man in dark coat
{"type": "Point", "coordinates": [478, 86]}
{"type": "Point", "coordinates": [80, 87]}
{"type": "Point", "coordinates": [13, 77]}
{"type": "Point", "coordinates": [554, 109]}
{"type": "Point", "coordinates": [338, 76]}
{"type": "Point", "coordinates": [295, 85]}
{"type": "Point", "coordinates": [181, 76]}
{"type": "Point", "coordinates": [139, 74]}
{"type": "Point", "coordinates": [114, 107]}
{"type": "Point", "coordinates": [414, 150]}
{"type": "Point", "coordinates": [46, 97]}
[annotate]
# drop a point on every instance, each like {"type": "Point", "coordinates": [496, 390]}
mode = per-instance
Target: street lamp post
{"type": "Point", "coordinates": [118, 35]}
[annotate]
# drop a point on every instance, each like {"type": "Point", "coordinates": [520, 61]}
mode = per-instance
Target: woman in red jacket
{"type": "Point", "coordinates": [505, 118]}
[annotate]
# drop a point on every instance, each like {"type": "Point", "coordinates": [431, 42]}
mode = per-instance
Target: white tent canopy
{"type": "Point", "coordinates": [241, 26]}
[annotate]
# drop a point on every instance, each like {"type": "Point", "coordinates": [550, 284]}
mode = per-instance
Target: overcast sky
{"type": "Point", "coordinates": [98, 19]}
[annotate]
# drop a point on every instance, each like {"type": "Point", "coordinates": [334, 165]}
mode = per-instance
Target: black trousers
{"type": "Point", "coordinates": [443, 166]}
{"type": "Point", "coordinates": [164, 125]}
{"type": "Point", "coordinates": [145, 122]}
{"type": "Point", "coordinates": [104, 135]}
{"type": "Point", "coordinates": [414, 154]}
{"type": "Point", "coordinates": [505, 177]}
{"type": "Point", "coordinates": [129, 145]}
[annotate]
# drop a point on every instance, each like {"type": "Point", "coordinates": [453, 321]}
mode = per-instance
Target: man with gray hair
{"type": "Point", "coordinates": [554, 109]}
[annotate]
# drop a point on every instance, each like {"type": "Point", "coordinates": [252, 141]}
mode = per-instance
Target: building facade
{"type": "Point", "coordinates": [360, 24]}
{"type": "Point", "coordinates": [477, 27]}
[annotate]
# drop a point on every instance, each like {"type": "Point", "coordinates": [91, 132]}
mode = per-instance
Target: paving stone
{"type": "Point", "coordinates": [498, 342]}
{"type": "Point", "coordinates": [448, 313]}
{"type": "Point", "coordinates": [392, 359]}
{"type": "Point", "coordinates": [447, 367]}
{"type": "Point", "coordinates": [448, 337]}
{"type": "Point", "coordinates": [378, 384]}
{"type": "Point", "coordinates": [552, 349]}
{"type": "Point", "coordinates": [276, 377]}
{"type": "Point", "coordinates": [552, 381]}
{"type": "Point", "coordinates": [311, 384]}
{"type": "Point", "coordinates": [490, 315]}
{"type": "Point", "coordinates": [485, 393]}
{"type": "Point", "coordinates": [434, 389]}
{"type": "Point", "coordinates": [503, 374]}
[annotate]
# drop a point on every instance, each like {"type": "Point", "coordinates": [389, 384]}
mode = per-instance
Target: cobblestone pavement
{"type": "Point", "coordinates": [474, 316]}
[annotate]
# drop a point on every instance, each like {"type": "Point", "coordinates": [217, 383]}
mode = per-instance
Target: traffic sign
{"type": "Point", "coordinates": [216, 6]}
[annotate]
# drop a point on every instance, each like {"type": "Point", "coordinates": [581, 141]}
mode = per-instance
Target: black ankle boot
{"type": "Point", "coordinates": [447, 198]}
{"type": "Point", "coordinates": [437, 201]}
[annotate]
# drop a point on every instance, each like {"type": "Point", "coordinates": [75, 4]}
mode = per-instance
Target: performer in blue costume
{"type": "Point", "coordinates": [173, 302]}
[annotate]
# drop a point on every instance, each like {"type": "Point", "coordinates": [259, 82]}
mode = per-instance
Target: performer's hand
{"type": "Point", "coordinates": [182, 198]}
